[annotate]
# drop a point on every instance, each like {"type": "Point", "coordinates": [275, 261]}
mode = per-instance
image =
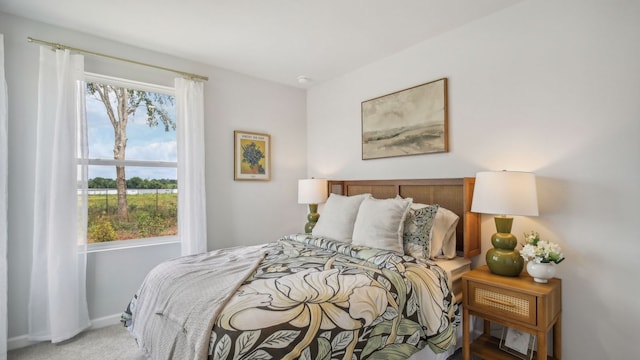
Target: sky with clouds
{"type": "Point", "coordinates": [144, 143]}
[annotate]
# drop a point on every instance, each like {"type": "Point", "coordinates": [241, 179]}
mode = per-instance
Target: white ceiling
{"type": "Point", "coordinates": [276, 40]}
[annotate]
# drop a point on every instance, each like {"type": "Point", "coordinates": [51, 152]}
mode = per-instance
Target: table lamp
{"type": "Point", "coordinates": [505, 193]}
{"type": "Point", "coordinates": [313, 192]}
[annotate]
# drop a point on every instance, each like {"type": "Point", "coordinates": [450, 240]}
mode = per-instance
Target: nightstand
{"type": "Point", "coordinates": [515, 302]}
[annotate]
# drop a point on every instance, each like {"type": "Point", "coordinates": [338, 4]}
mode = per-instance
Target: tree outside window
{"type": "Point", "coordinates": [132, 186]}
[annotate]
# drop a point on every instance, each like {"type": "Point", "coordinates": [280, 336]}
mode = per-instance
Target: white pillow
{"type": "Point", "coordinates": [443, 234]}
{"type": "Point", "coordinates": [338, 217]}
{"type": "Point", "coordinates": [380, 222]}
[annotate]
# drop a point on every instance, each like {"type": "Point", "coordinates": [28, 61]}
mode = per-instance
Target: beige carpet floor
{"type": "Point", "coordinates": [108, 343]}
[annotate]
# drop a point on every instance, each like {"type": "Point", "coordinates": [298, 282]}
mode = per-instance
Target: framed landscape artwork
{"type": "Point", "coordinates": [252, 156]}
{"type": "Point", "coordinates": [408, 122]}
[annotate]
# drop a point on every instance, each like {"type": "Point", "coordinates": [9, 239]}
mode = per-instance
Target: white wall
{"type": "Point", "coordinates": [551, 87]}
{"type": "Point", "coordinates": [237, 212]}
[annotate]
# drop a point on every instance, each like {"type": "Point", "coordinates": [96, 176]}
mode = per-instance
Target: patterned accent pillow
{"type": "Point", "coordinates": [417, 231]}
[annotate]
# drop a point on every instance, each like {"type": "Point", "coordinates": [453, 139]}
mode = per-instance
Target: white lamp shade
{"type": "Point", "coordinates": [312, 191]}
{"type": "Point", "coordinates": [505, 193]}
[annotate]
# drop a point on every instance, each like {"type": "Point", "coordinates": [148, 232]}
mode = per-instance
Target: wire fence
{"type": "Point", "coordinates": [96, 194]}
{"type": "Point", "coordinates": [130, 191]}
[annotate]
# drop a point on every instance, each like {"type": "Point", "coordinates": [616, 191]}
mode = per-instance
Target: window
{"type": "Point", "coordinates": [132, 160]}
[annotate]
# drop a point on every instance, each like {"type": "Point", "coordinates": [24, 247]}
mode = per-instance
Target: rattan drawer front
{"type": "Point", "coordinates": [502, 302]}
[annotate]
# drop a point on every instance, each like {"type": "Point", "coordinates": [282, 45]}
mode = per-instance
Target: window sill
{"type": "Point", "coordinates": [130, 244]}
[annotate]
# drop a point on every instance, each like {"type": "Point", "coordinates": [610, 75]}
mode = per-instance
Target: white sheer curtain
{"type": "Point", "coordinates": [192, 219]}
{"type": "Point", "coordinates": [58, 302]}
{"type": "Point", "coordinates": [4, 172]}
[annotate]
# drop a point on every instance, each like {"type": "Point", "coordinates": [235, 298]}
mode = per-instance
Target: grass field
{"type": "Point", "coordinates": [150, 215]}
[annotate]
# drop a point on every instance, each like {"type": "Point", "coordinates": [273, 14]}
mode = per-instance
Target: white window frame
{"type": "Point", "coordinates": [131, 243]}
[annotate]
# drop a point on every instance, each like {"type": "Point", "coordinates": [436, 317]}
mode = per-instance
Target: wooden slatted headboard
{"type": "Point", "coordinates": [453, 194]}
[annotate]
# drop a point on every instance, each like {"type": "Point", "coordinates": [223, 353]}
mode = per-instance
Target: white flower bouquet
{"type": "Point", "coordinates": [540, 251]}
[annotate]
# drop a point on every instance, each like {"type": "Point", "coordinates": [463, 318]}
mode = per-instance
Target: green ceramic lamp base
{"type": "Point", "coordinates": [312, 218]}
{"type": "Point", "coordinates": [503, 259]}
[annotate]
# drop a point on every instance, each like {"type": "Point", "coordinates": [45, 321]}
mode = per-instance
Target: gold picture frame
{"type": "Point", "coordinates": [252, 156]}
{"type": "Point", "coordinates": [413, 121]}
{"type": "Point", "coordinates": [517, 343]}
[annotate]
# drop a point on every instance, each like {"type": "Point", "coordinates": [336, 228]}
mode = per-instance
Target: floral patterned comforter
{"type": "Point", "coordinates": [315, 298]}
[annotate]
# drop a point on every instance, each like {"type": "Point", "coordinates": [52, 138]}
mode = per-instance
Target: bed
{"type": "Point", "coordinates": [338, 293]}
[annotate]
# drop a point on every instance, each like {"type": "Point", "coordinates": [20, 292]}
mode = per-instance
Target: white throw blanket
{"type": "Point", "coordinates": [180, 299]}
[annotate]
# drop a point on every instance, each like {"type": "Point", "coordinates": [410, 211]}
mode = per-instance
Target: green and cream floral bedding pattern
{"type": "Point", "coordinates": [315, 298]}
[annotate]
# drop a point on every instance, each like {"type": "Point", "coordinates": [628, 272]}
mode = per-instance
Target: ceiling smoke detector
{"type": "Point", "coordinates": [302, 79]}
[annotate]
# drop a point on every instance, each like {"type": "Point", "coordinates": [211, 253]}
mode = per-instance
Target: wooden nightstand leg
{"type": "Point", "coordinates": [557, 338]}
{"type": "Point", "coordinates": [542, 345]}
{"type": "Point", "coordinates": [466, 337]}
